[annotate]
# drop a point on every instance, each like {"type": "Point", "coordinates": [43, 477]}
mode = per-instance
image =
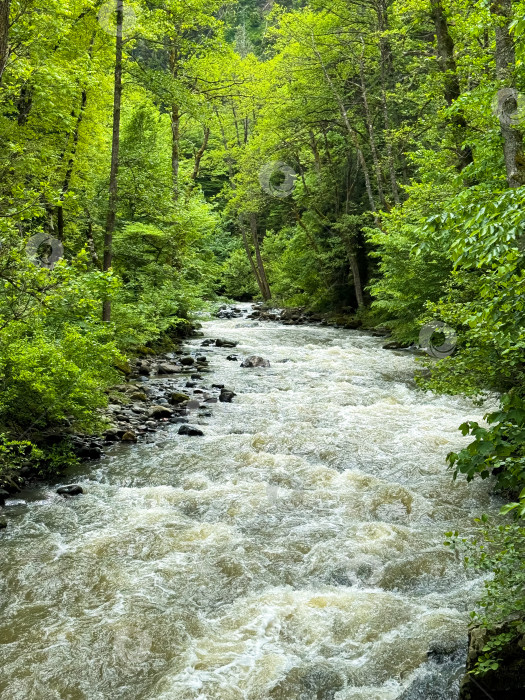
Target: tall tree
{"type": "Point", "coordinates": [507, 97]}
{"type": "Point", "coordinates": [4, 35]}
{"type": "Point", "coordinates": [452, 88]}
{"type": "Point", "coordinates": [115, 144]}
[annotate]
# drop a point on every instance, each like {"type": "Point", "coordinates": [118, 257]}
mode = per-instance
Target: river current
{"type": "Point", "coordinates": [295, 552]}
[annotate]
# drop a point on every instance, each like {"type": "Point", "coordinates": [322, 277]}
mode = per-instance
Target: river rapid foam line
{"type": "Point", "coordinates": [295, 552]}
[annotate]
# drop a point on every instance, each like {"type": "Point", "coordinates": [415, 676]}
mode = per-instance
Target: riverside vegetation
{"type": "Point", "coordinates": [362, 158]}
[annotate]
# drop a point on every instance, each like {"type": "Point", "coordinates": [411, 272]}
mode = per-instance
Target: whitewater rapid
{"type": "Point", "coordinates": [295, 552]}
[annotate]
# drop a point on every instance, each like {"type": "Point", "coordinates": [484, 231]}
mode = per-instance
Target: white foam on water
{"type": "Point", "coordinates": [294, 552]}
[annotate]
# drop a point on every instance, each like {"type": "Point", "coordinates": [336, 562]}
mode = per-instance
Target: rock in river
{"type": "Point", "coordinates": [178, 397]}
{"type": "Point", "coordinates": [168, 368]}
{"type": "Point", "coordinates": [226, 396]}
{"type": "Point", "coordinates": [190, 430]}
{"type": "Point", "coordinates": [255, 361]}
{"type": "Point", "coordinates": [70, 490]}
{"type": "Point", "coordinates": [160, 412]}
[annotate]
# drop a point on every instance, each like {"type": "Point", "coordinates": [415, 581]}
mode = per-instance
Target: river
{"type": "Point", "coordinates": [295, 552]}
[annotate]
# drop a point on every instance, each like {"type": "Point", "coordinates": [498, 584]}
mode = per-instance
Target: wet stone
{"type": "Point", "coordinates": [70, 490]}
{"type": "Point", "coordinates": [190, 430]}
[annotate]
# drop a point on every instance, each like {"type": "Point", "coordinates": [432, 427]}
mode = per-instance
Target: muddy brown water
{"type": "Point", "coordinates": [295, 552]}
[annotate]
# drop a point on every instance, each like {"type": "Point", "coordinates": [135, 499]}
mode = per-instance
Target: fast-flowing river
{"type": "Point", "coordinates": [295, 552]}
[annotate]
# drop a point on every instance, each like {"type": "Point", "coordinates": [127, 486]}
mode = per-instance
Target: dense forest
{"type": "Point", "coordinates": [361, 159]}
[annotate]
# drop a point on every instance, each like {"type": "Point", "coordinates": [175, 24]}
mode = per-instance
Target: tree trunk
{"type": "Point", "coordinates": [200, 153]}
{"type": "Point", "coordinates": [387, 69]}
{"type": "Point", "coordinates": [452, 88]}
{"type": "Point", "coordinates": [236, 125]}
{"type": "Point", "coordinates": [4, 35]}
{"type": "Point", "coordinates": [69, 171]}
{"type": "Point", "coordinates": [267, 295]}
{"type": "Point", "coordinates": [371, 135]}
{"type": "Point", "coordinates": [91, 240]}
{"type": "Point", "coordinates": [113, 178]}
{"type": "Point", "coordinates": [351, 132]}
{"type": "Point", "coordinates": [245, 240]}
{"type": "Point", "coordinates": [175, 131]}
{"type": "Point", "coordinates": [501, 11]}
{"type": "Point", "coordinates": [354, 267]}
{"type": "Point", "coordinates": [251, 260]}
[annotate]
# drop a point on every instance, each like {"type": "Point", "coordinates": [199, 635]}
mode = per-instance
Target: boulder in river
{"type": "Point", "coordinates": [88, 452]}
{"type": "Point", "coordinates": [255, 361]}
{"type": "Point", "coordinates": [70, 490]}
{"type": "Point", "coordinates": [3, 495]}
{"type": "Point", "coordinates": [3, 524]}
{"type": "Point", "coordinates": [158, 412]}
{"type": "Point", "coordinates": [168, 368]}
{"type": "Point", "coordinates": [178, 397]}
{"type": "Point", "coordinates": [233, 358]}
{"type": "Point", "coordinates": [187, 361]}
{"type": "Point", "coordinates": [129, 436]}
{"type": "Point", "coordinates": [394, 345]}
{"type": "Point", "coordinates": [190, 430]}
{"type": "Point", "coordinates": [227, 396]}
{"type": "Point", "coordinates": [507, 681]}
{"type": "Point", "coordinates": [221, 343]}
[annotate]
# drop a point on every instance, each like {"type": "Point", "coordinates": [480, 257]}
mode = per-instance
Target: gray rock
{"type": "Point", "coordinates": [70, 490]}
{"type": "Point", "coordinates": [187, 361]}
{"type": "Point", "coordinates": [129, 436]}
{"type": "Point", "coordinates": [221, 343]}
{"type": "Point", "coordinates": [160, 412]}
{"type": "Point", "coordinates": [255, 361]}
{"type": "Point", "coordinates": [190, 430]}
{"type": "Point", "coordinates": [178, 398]}
{"type": "Point", "coordinates": [226, 396]}
{"type": "Point", "coordinates": [168, 368]}
{"type": "Point", "coordinates": [89, 452]}
{"type": "Point", "coordinates": [396, 346]}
